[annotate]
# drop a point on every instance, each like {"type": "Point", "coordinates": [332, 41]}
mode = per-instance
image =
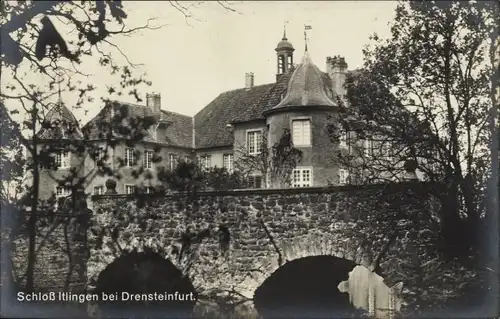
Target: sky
{"type": "Point", "coordinates": [190, 61]}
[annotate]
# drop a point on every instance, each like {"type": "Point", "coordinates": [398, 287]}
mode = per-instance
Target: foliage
{"type": "Point", "coordinates": [274, 163]}
{"type": "Point", "coordinates": [189, 177]}
{"type": "Point", "coordinates": [11, 156]}
{"type": "Point", "coordinates": [36, 58]}
{"type": "Point", "coordinates": [426, 91]}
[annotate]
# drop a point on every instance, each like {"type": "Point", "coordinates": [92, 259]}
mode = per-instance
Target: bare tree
{"type": "Point", "coordinates": [32, 44]}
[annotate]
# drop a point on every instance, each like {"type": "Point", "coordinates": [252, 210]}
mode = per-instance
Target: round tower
{"type": "Point", "coordinates": [303, 112]}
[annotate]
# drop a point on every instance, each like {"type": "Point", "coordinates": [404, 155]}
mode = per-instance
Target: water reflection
{"type": "Point", "coordinates": [368, 291]}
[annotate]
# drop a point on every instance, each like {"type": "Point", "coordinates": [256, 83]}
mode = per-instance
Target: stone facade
{"type": "Point", "coordinates": [61, 253]}
{"type": "Point", "coordinates": [267, 229]}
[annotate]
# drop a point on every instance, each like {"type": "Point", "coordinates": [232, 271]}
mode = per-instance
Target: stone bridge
{"type": "Point", "coordinates": [240, 247]}
{"type": "Point", "coordinates": [229, 243]}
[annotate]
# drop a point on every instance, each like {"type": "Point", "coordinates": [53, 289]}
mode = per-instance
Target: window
{"type": "Point", "coordinates": [172, 160]}
{"type": "Point", "coordinates": [343, 139]}
{"type": "Point", "coordinates": [148, 159]}
{"type": "Point", "coordinates": [99, 156]}
{"type": "Point", "coordinates": [149, 189]}
{"type": "Point", "coordinates": [343, 176]}
{"type": "Point", "coordinates": [62, 191]}
{"type": "Point", "coordinates": [228, 162]}
{"type": "Point", "coordinates": [98, 190]}
{"type": "Point", "coordinates": [378, 146]}
{"type": "Point", "coordinates": [62, 160]}
{"type": "Point", "coordinates": [302, 177]}
{"type": "Point", "coordinates": [129, 157]}
{"type": "Point", "coordinates": [129, 189]}
{"type": "Point", "coordinates": [254, 142]}
{"type": "Point", "coordinates": [301, 132]}
{"type": "Point", "coordinates": [204, 161]}
{"type": "Point", "coordinates": [281, 64]}
{"type": "Point", "coordinates": [255, 181]}
{"type": "Point", "coordinates": [386, 149]}
{"type": "Point", "coordinates": [368, 147]}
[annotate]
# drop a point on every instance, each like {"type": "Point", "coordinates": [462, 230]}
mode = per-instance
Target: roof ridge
{"type": "Point", "coordinates": [176, 113]}
{"type": "Point", "coordinates": [243, 88]}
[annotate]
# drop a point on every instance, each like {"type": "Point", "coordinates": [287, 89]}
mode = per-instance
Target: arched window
{"type": "Point", "coordinates": [281, 64]}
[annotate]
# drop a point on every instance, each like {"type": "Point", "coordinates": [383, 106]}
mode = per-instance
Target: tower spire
{"type": "Point", "coordinates": [284, 30]}
{"type": "Point", "coordinates": [306, 39]}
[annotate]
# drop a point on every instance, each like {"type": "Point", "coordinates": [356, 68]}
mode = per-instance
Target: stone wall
{"type": "Point", "coordinates": [61, 254]}
{"type": "Point", "coordinates": [237, 239]}
{"type": "Point", "coordinates": [267, 228]}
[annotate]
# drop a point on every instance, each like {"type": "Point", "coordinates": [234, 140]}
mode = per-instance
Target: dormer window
{"type": "Point", "coordinates": [154, 131]}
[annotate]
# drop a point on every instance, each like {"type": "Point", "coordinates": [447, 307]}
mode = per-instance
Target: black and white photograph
{"type": "Point", "coordinates": [249, 159]}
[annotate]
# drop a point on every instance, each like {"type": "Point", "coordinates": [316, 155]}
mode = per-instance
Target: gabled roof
{"type": "Point", "coordinates": [179, 127]}
{"type": "Point", "coordinates": [306, 87]}
{"type": "Point", "coordinates": [235, 106]}
{"type": "Point", "coordinates": [60, 123]}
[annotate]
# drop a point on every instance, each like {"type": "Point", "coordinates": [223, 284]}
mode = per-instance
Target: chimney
{"type": "Point", "coordinates": [157, 102]}
{"type": "Point", "coordinates": [249, 80]}
{"type": "Point", "coordinates": [153, 101]}
{"type": "Point", "coordinates": [336, 67]}
{"type": "Point", "coordinates": [149, 100]}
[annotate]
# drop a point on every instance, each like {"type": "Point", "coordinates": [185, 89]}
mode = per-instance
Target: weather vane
{"type": "Point", "coordinates": [306, 27]}
{"type": "Point", "coordinates": [284, 29]}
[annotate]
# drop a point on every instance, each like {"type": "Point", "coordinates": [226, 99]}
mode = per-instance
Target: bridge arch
{"type": "Point", "coordinates": [146, 274]}
{"type": "Point", "coordinates": [310, 245]}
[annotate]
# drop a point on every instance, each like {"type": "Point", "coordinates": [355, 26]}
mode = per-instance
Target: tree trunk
{"type": "Point", "coordinates": [34, 205]}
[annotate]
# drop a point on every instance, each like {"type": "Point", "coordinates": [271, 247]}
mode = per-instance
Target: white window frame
{"type": "Point", "coordinates": [172, 161]}
{"type": "Point", "coordinates": [228, 162]}
{"type": "Point", "coordinates": [129, 157]}
{"type": "Point", "coordinates": [146, 161]}
{"type": "Point", "coordinates": [343, 138]}
{"type": "Point", "coordinates": [101, 152]}
{"type": "Point", "coordinates": [65, 191]}
{"type": "Point", "coordinates": [257, 142]}
{"type": "Point", "coordinates": [99, 187]}
{"type": "Point", "coordinates": [63, 159]}
{"type": "Point", "coordinates": [205, 161]}
{"type": "Point", "coordinates": [368, 146]}
{"type": "Point", "coordinates": [301, 182]}
{"type": "Point", "coordinates": [301, 141]}
{"type": "Point", "coordinates": [386, 149]}
{"type": "Point", "coordinates": [149, 189]}
{"type": "Point", "coordinates": [343, 176]}
{"type": "Point", "coordinates": [127, 186]}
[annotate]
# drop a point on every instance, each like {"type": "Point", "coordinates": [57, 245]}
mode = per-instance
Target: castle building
{"type": "Point", "coordinates": [301, 100]}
